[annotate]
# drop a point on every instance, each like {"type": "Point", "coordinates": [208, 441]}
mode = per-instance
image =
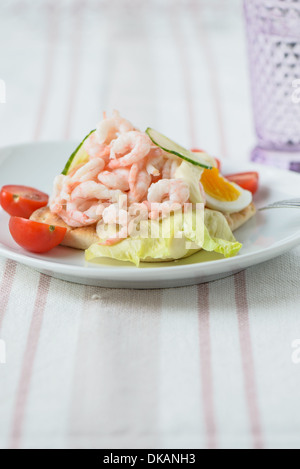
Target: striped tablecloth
{"type": "Point", "coordinates": [204, 366]}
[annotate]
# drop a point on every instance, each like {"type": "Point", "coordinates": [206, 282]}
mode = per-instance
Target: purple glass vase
{"type": "Point", "coordinates": [273, 31]}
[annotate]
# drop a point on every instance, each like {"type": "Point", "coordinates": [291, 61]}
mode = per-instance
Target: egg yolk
{"type": "Point", "coordinates": [217, 187]}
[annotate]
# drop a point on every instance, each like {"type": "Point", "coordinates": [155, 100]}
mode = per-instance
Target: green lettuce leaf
{"type": "Point", "coordinates": [176, 237]}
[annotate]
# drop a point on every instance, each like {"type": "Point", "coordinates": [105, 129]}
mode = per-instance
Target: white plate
{"type": "Point", "coordinates": [266, 236]}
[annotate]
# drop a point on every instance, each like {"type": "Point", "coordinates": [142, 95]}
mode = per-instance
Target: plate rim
{"type": "Point", "coordinates": [132, 273]}
{"type": "Point", "coordinates": [129, 271]}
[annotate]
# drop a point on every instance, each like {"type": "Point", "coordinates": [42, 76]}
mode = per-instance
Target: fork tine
{"type": "Point", "coordinates": [291, 203]}
{"type": "Point", "coordinates": [278, 206]}
{"type": "Point", "coordinates": [288, 202]}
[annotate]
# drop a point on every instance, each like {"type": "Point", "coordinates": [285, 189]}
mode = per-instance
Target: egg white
{"type": "Point", "coordinates": [233, 206]}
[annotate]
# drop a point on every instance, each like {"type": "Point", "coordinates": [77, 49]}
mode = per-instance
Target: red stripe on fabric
{"type": "Point", "coordinates": [185, 69]}
{"type": "Point", "coordinates": [247, 358]}
{"type": "Point", "coordinates": [6, 286]}
{"type": "Point", "coordinates": [213, 76]}
{"type": "Point", "coordinates": [52, 36]}
{"type": "Point", "coordinates": [203, 290]}
{"type": "Point", "coordinates": [28, 361]}
{"type": "Point", "coordinates": [76, 39]}
{"type": "Point", "coordinates": [206, 365]}
{"type": "Point", "coordinates": [44, 281]}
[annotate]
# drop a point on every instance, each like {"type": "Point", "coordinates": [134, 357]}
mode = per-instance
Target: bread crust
{"type": "Point", "coordinates": [82, 238]}
{"type": "Point", "coordinates": [236, 220]}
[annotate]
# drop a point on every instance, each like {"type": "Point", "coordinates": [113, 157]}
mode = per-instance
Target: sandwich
{"type": "Point", "coordinates": [140, 197]}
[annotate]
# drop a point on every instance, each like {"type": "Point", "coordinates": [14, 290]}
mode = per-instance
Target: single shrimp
{"type": "Point", "coordinates": [95, 148]}
{"type": "Point", "coordinates": [169, 190]}
{"type": "Point", "coordinates": [155, 162]}
{"type": "Point", "coordinates": [117, 179]}
{"type": "Point", "coordinates": [109, 128]}
{"type": "Point", "coordinates": [112, 241]}
{"type": "Point", "coordinates": [139, 182]}
{"type": "Point", "coordinates": [94, 190]}
{"type": "Point", "coordinates": [131, 148]}
{"type": "Point", "coordinates": [166, 196]}
{"type": "Point", "coordinates": [89, 171]}
{"type": "Point", "coordinates": [74, 170]}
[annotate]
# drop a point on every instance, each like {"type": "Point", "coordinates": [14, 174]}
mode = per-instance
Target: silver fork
{"type": "Point", "coordinates": [291, 203]}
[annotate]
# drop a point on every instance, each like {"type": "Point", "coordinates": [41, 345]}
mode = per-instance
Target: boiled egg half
{"type": "Point", "coordinates": [222, 194]}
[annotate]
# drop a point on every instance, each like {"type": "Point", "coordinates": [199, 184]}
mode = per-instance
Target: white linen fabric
{"type": "Point", "coordinates": [208, 366]}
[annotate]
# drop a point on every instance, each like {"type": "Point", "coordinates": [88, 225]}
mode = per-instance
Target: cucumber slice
{"type": "Point", "coordinates": [78, 156]}
{"type": "Point", "coordinates": [171, 147]}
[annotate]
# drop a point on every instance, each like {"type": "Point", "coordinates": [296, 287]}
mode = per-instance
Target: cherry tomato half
{"type": "Point", "coordinates": [248, 181]}
{"type": "Point", "coordinates": [197, 150]}
{"type": "Point", "coordinates": [34, 236]}
{"type": "Point", "coordinates": [22, 201]}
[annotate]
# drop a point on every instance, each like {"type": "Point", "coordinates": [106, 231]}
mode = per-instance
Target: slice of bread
{"type": "Point", "coordinates": [236, 220]}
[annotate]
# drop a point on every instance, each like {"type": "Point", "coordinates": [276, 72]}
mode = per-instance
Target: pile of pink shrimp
{"type": "Point", "coordinates": [127, 179]}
